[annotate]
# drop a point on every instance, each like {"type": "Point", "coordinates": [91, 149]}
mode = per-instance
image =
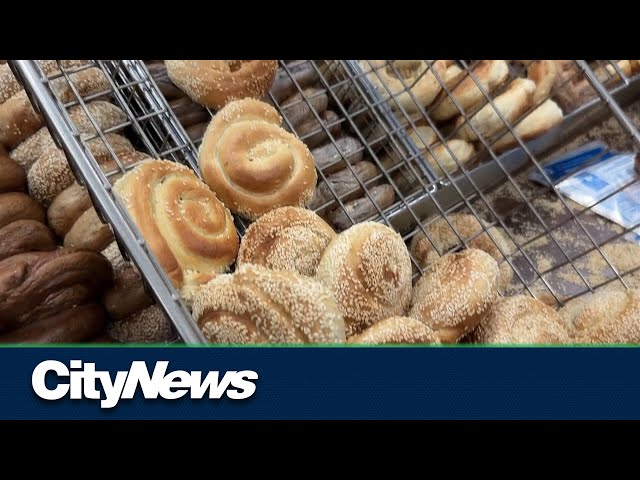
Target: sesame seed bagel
{"type": "Point", "coordinates": [214, 83]}
{"type": "Point", "coordinates": [18, 119]}
{"type": "Point", "coordinates": [607, 316]}
{"type": "Point", "coordinates": [147, 326]}
{"type": "Point", "coordinates": [455, 293]}
{"type": "Point", "coordinates": [287, 238]}
{"type": "Point", "coordinates": [252, 164]}
{"type": "Point", "coordinates": [521, 319]}
{"type": "Point", "coordinates": [9, 85]}
{"type": "Point", "coordinates": [368, 269]}
{"type": "Point", "coordinates": [51, 173]}
{"type": "Point", "coordinates": [105, 114]}
{"type": "Point", "coordinates": [257, 305]}
{"type": "Point", "coordinates": [396, 330]}
{"type": "Point", "coordinates": [467, 226]}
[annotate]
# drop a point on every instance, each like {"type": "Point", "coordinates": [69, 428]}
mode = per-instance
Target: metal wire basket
{"type": "Point", "coordinates": [547, 248]}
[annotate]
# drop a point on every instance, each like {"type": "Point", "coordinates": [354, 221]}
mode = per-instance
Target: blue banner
{"type": "Point", "coordinates": [319, 383]}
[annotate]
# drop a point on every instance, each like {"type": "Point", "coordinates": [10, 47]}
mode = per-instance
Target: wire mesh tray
{"type": "Point", "coordinates": [364, 116]}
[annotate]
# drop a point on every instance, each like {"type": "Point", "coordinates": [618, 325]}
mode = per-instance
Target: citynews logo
{"type": "Point", "coordinates": [82, 381]}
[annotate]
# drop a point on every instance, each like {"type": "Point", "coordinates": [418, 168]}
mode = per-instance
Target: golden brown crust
{"type": "Point", "coordinates": [24, 236]}
{"type": "Point", "coordinates": [67, 207]}
{"type": "Point", "coordinates": [18, 119]}
{"type": "Point", "coordinates": [147, 326]}
{"type": "Point", "coordinates": [455, 293]}
{"type": "Point", "coordinates": [417, 78]}
{"type": "Point", "coordinates": [607, 316]}
{"type": "Point", "coordinates": [368, 270]}
{"type": "Point", "coordinates": [19, 206]}
{"type": "Point", "coordinates": [521, 319]}
{"type": "Point", "coordinates": [511, 104]}
{"type": "Point", "coordinates": [89, 233]}
{"type": "Point", "coordinates": [215, 83]}
{"type": "Point", "coordinates": [462, 152]}
{"type": "Point", "coordinates": [188, 229]}
{"type": "Point", "coordinates": [75, 325]}
{"type": "Point", "coordinates": [396, 330]}
{"type": "Point", "coordinates": [41, 284]}
{"type": "Point", "coordinates": [445, 239]}
{"type": "Point", "coordinates": [490, 74]}
{"type": "Point", "coordinates": [257, 305]}
{"type": "Point", "coordinates": [541, 120]}
{"type": "Point", "coordinates": [13, 178]}
{"type": "Point", "coordinates": [253, 164]}
{"type": "Point", "coordinates": [288, 238]}
{"type": "Point", "coordinates": [105, 114]}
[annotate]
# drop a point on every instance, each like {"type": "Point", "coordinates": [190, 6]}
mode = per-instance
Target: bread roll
{"type": "Point", "coordinates": [542, 119]}
{"type": "Point", "coordinates": [455, 293]}
{"type": "Point", "coordinates": [160, 77]}
{"type": "Point", "coordinates": [543, 73]}
{"type": "Point", "coordinates": [37, 285]}
{"type": "Point", "coordinates": [283, 85]}
{"type": "Point", "coordinates": [521, 320]}
{"type": "Point", "coordinates": [445, 239]}
{"type": "Point", "coordinates": [314, 133]}
{"type": "Point", "coordinates": [128, 295]}
{"type": "Point", "coordinates": [188, 229]}
{"type": "Point", "coordinates": [368, 270]}
{"type": "Point", "coordinates": [24, 236]}
{"type": "Point", "coordinates": [257, 305]}
{"type": "Point", "coordinates": [489, 74]}
{"type": "Point", "coordinates": [342, 182]}
{"type": "Point", "coordinates": [105, 114]}
{"type": "Point", "coordinates": [252, 164]}
{"type": "Point", "coordinates": [297, 110]}
{"type": "Point", "coordinates": [18, 206]}
{"type": "Point", "coordinates": [363, 208]}
{"type": "Point", "coordinates": [147, 326]}
{"type": "Point", "coordinates": [51, 173]}
{"type": "Point", "coordinates": [288, 238]}
{"type": "Point", "coordinates": [413, 76]}
{"type": "Point", "coordinates": [511, 104]}
{"type": "Point", "coordinates": [462, 152]}
{"type": "Point", "coordinates": [331, 157]}
{"type": "Point", "coordinates": [398, 330]}
{"type": "Point", "coordinates": [78, 324]}
{"type": "Point", "coordinates": [89, 233]}
{"type": "Point", "coordinates": [423, 136]}
{"type": "Point", "coordinates": [9, 85]}
{"type": "Point", "coordinates": [13, 178]}
{"type": "Point", "coordinates": [18, 119]}
{"type": "Point", "coordinates": [606, 316]}
{"type": "Point", "coordinates": [67, 207]}
{"type": "Point", "coordinates": [215, 83]}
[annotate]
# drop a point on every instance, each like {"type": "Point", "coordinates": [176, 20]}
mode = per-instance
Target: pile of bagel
{"type": "Point", "coordinates": [69, 247]}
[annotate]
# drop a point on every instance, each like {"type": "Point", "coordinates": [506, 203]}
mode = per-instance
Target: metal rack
{"type": "Point", "coordinates": [380, 126]}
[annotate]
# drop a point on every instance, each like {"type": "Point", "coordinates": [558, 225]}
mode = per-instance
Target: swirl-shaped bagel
{"type": "Point", "coordinates": [188, 229]}
{"type": "Point", "coordinates": [368, 269]}
{"type": "Point", "coordinates": [258, 305]}
{"type": "Point", "coordinates": [288, 238]}
{"type": "Point", "coordinates": [214, 83]}
{"type": "Point", "coordinates": [417, 77]}
{"type": "Point", "coordinates": [253, 164]}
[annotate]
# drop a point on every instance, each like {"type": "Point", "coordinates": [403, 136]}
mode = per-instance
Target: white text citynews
{"type": "Point", "coordinates": [82, 381]}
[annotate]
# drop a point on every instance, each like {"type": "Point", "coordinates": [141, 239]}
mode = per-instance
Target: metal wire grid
{"type": "Point", "coordinates": [150, 126]}
{"type": "Point", "coordinates": [499, 220]}
{"type": "Point", "coordinates": [382, 131]}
